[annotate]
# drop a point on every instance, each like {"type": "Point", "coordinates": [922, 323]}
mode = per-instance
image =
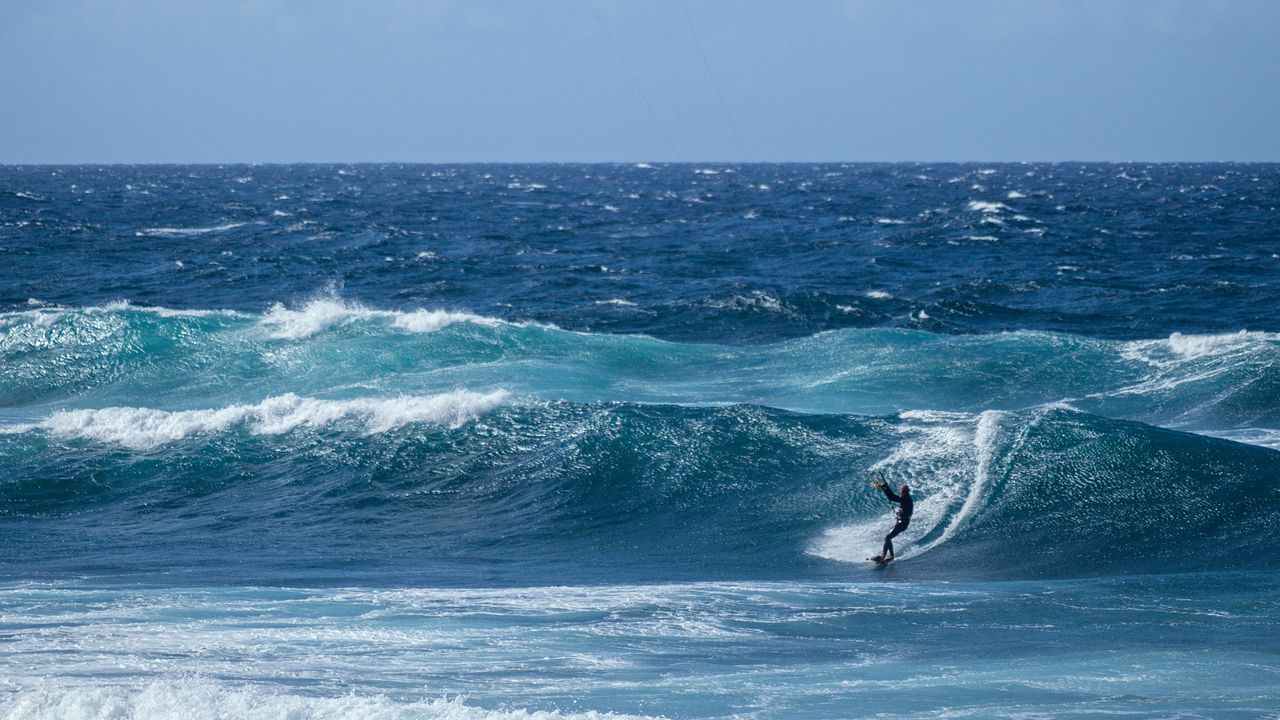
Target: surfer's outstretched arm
{"type": "Point", "coordinates": [893, 497]}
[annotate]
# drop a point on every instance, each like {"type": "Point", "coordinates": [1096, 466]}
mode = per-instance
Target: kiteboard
{"type": "Point", "coordinates": [880, 560]}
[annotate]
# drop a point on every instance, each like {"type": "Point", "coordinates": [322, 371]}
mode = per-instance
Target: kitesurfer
{"type": "Point", "coordinates": [905, 507]}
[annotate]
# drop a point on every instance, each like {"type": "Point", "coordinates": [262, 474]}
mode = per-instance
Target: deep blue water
{"type": "Point", "coordinates": [483, 441]}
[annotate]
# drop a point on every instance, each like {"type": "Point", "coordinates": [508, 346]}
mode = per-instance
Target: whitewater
{"type": "Point", "coordinates": [595, 441]}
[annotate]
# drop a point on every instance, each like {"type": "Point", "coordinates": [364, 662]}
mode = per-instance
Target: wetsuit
{"type": "Point", "coordinates": [905, 507]}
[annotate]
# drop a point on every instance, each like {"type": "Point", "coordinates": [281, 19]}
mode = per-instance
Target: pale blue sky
{"type": "Point", "coordinates": [513, 80]}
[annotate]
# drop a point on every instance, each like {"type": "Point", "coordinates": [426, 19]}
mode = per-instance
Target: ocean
{"type": "Point", "coordinates": [586, 441]}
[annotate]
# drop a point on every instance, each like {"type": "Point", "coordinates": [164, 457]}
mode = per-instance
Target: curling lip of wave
{"type": "Point", "coordinates": [140, 428]}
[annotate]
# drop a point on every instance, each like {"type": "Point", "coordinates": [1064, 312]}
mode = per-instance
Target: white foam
{"type": "Point", "coordinates": [141, 428]}
{"type": "Point", "coordinates": [185, 232]}
{"type": "Point", "coordinates": [890, 221]}
{"type": "Point", "coordinates": [984, 444]}
{"type": "Point", "coordinates": [45, 315]}
{"type": "Point", "coordinates": [934, 416]}
{"type": "Point", "coordinates": [320, 315]}
{"type": "Point", "coordinates": [1181, 348]}
{"type": "Point", "coordinates": [126, 306]}
{"type": "Point", "coordinates": [1193, 346]}
{"type": "Point", "coordinates": [619, 302]}
{"type": "Point", "coordinates": [878, 295]}
{"type": "Point", "coordinates": [201, 699]}
{"type": "Point", "coordinates": [1185, 359]}
{"type": "Point", "coordinates": [1015, 195]}
{"type": "Point", "coordinates": [987, 207]}
{"type": "Point", "coordinates": [424, 321]}
{"type": "Point", "coordinates": [757, 300]}
{"type": "Point", "coordinates": [17, 428]}
{"type": "Point", "coordinates": [852, 542]}
{"type": "Point", "coordinates": [1262, 437]}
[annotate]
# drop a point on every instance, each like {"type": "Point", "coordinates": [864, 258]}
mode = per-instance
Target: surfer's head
{"type": "Point", "coordinates": [904, 490]}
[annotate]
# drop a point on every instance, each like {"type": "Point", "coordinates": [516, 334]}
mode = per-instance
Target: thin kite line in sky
{"type": "Point", "coordinates": [634, 82]}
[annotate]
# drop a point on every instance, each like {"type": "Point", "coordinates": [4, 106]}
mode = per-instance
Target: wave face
{"type": "Point", "coordinates": [334, 440]}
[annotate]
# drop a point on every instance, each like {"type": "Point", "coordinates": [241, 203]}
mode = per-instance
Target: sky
{"type": "Point", "coordinates": [143, 81]}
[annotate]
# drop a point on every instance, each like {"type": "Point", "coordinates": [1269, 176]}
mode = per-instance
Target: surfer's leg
{"type": "Point", "coordinates": [888, 539]}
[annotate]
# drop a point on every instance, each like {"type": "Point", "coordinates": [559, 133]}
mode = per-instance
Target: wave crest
{"type": "Point", "coordinates": [140, 428]}
{"type": "Point", "coordinates": [320, 315]}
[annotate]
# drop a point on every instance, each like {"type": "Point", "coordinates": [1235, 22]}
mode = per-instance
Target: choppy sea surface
{"type": "Point", "coordinates": [577, 441]}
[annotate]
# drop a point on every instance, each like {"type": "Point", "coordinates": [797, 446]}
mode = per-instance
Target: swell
{"type": "Point", "coordinates": [671, 251]}
{"type": "Point", "coordinates": [534, 491]}
{"type": "Point", "coordinates": [122, 355]}
{"type": "Point", "coordinates": [332, 440]}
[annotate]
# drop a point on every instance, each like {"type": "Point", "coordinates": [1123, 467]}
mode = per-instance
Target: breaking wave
{"type": "Point", "coordinates": [174, 699]}
{"type": "Point", "coordinates": [149, 428]}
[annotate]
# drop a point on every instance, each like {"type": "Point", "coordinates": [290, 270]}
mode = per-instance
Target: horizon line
{"type": "Point", "coordinates": [655, 163]}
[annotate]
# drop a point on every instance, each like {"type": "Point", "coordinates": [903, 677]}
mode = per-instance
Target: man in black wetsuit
{"type": "Point", "coordinates": [905, 508]}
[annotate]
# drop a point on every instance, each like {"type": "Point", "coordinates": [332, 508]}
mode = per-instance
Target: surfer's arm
{"type": "Point", "coordinates": [884, 487]}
